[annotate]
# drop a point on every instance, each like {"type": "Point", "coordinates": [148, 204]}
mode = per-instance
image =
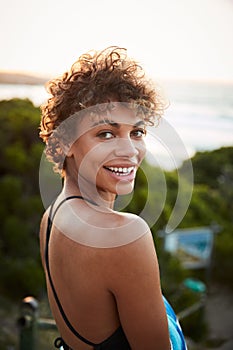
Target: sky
{"type": "Point", "coordinates": [176, 39]}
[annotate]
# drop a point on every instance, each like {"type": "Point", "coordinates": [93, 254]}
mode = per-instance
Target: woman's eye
{"type": "Point", "coordinates": [106, 135]}
{"type": "Point", "coordinates": [139, 133]}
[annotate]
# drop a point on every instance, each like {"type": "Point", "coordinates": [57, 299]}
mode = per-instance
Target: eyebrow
{"type": "Point", "coordinates": [117, 125]}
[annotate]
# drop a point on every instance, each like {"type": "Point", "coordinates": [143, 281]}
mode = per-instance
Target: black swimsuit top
{"type": "Point", "coordinates": [118, 339]}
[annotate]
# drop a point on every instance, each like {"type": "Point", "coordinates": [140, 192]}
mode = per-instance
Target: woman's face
{"type": "Point", "coordinates": [109, 150]}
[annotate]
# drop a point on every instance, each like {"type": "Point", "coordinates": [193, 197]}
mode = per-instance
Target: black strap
{"type": "Point", "coordinates": [59, 342]}
{"type": "Point", "coordinates": [49, 226]}
{"type": "Point", "coordinates": [66, 199]}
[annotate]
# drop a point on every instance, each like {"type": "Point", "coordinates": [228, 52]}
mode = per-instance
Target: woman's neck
{"type": "Point", "coordinates": [102, 199]}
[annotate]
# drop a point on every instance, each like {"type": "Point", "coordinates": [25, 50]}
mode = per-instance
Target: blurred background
{"type": "Point", "coordinates": [185, 47]}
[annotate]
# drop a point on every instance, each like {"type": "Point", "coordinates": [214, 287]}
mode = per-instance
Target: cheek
{"type": "Point", "coordinates": [89, 160]}
{"type": "Point", "coordinates": [142, 151]}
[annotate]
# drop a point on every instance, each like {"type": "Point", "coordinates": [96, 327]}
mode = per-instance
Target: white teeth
{"type": "Point", "coordinates": [121, 171]}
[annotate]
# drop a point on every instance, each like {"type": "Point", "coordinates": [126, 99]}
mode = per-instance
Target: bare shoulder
{"type": "Point", "coordinates": [97, 227]}
{"type": "Point", "coordinates": [133, 220]}
{"type": "Point", "coordinates": [123, 228]}
{"type": "Point", "coordinates": [128, 223]}
{"type": "Point", "coordinates": [133, 277]}
{"type": "Point", "coordinates": [137, 252]}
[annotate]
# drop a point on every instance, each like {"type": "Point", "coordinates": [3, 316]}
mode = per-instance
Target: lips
{"type": "Point", "coordinates": [121, 171]}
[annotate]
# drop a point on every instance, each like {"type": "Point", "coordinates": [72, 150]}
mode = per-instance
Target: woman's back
{"type": "Point", "coordinates": [84, 277]}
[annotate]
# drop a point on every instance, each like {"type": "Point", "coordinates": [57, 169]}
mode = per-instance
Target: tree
{"type": "Point", "coordinates": [20, 205]}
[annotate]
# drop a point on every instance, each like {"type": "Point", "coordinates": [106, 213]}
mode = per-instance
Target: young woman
{"type": "Point", "coordinates": [101, 266]}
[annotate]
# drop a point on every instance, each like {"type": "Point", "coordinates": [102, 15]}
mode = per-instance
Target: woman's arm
{"type": "Point", "coordinates": [135, 284]}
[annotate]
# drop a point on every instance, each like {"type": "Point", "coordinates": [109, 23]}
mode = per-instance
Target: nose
{"type": "Point", "coordinates": [126, 147]}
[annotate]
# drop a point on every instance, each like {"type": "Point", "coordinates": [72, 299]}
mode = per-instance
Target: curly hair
{"type": "Point", "coordinates": [96, 77]}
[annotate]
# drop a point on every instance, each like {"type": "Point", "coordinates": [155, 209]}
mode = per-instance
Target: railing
{"type": "Point", "coordinates": [193, 308]}
{"type": "Point", "coordinates": [29, 323]}
{"type": "Point", "coordinates": [197, 287]}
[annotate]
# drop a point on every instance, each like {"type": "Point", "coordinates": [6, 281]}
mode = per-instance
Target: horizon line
{"type": "Point", "coordinates": [191, 79]}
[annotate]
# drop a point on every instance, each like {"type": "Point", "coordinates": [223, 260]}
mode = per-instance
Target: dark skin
{"type": "Point", "coordinates": [102, 288]}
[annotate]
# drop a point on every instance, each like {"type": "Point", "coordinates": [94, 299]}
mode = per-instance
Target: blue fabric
{"type": "Point", "coordinates": [175, 331]}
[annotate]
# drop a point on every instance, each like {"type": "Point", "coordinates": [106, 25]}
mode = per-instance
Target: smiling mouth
{"type": "Point", "coordinates": [121, 171]}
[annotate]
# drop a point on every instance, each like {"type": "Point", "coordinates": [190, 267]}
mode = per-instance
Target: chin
{"type": "Point", "coordinates": [124, 188]}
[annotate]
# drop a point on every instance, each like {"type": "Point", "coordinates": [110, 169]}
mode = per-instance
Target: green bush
{"type": "Point", "coordinates": [20, 205]}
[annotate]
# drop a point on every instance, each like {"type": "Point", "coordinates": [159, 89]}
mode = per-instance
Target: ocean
{"type": "Point", "coordinates": [200, 114]}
